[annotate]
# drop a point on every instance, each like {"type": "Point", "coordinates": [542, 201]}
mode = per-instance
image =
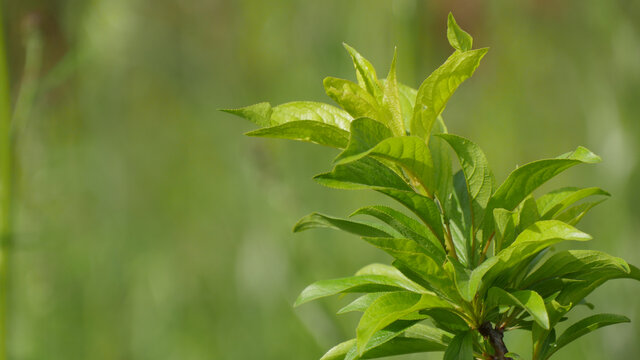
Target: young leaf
{"type": "Point", "coordinates": [361, 283]}
{"type": "Point", "coordinates": [316, 220]}
{"type": "Point", "coordinates": [436, 90]}
{"type": "Point", "coordinates": [584, 327]}
{"type": "Point", "coordinates": [527, 214]}
{"type": "Point", "coordinates": [259, 114]}
{"type": "Point", "coordinates": [391, 99]}
{"type": "Point", "coordinates": [460, 348]}
{"type": "Point", "coordinates": [556, 201]}
{"type": "Point", "coordinates": [361, 303]}
{"type": "Point", "coordinates": [409, 152]}
{"type": "Point", "coordinates": [528, 300]}
{"type": "Point", "coordinates": [365, 72]}
{"type": "Point", "coordinates": [306, 130]}
{"type": "Point", "coordinates": [365, 134]}
{"type": "Point", "coordinates": [311, 110]}
{"type": "Point", "coordinates": [522, 181]}
{"type": "Point", "coordinates": [407, 103]}
{"type": "Point", "coordinates": [476, 171]}
{"type": "Point", "coordinates": [574, 214]}
{"type": "Point", "coordinates": [458, 38]}
{"type": "Point", "coordinates": [406, 226]}
{"type": "Point", "coordinates": [354, 99]}
{"type": "Point", "coordinates": [441, 155]}
{"type": "Point", "coordinates": [389, 308]}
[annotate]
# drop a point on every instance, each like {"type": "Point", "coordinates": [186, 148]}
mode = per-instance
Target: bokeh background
{"type": "Point", "coordinates": [148, 227]}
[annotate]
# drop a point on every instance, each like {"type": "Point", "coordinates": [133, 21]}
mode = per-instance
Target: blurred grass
{"type": "Point", "coordinates": [148, 227]}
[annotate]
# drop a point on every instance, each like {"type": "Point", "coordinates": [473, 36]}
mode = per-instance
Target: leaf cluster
{"type": "Point", "coordinates": [476, 255]}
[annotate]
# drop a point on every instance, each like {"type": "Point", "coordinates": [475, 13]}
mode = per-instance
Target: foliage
{"type": "Point", "coordinates": [478, 260]}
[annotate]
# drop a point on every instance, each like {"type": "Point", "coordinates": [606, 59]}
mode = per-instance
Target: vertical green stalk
{"type": "Point", "coordinates": [6, 165]}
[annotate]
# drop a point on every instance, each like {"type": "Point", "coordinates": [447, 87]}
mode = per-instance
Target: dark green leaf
{"type": "Point", "coordinates": [409, 152]}
{"type": "Point", "coordinates": [306, 130]}
{"type": "Point", "coordinates": [477, 174]}
{"type": "Point", "coordinates": [407, 227]}
{"type": "Point", "coordinates": [556, 201]}
{"type": "Point", "coordinates": [461, 347]}
{"type": "Point", "coordinates": [522, 181]}
{"type": "Point", "coordinates": [365, 173]}
{"type": "Point", "coordinates": [528, 300]}
{"type": "Point", "coordinates": [316, 220]}
{"type": "Point", "coordinates": [584, 327]}
{"type": "Point", "coordinates": [355, 284]}
{"type": "Point", "coordinates": [387, 309]}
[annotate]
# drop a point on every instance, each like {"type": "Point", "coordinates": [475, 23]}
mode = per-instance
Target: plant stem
{"type": "Point", "coordinates": [495, 335]}
{"type": "Point", "coordinates": [6, 165]}
{"type": "Point", "coordinates": [486, 248]}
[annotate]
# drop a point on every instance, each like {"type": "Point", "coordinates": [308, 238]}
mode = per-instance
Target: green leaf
{"type": "Point", "coordinates": [365, 173]}
{"type": "Point", "coordinates": [436, 90]}
{"type": "Point", "coordinates": [446, 319]}
{"type": "Point", "coordinates": [522, 181]}
{"type": "Point", "coordinates": [584, 327]}
{"type": "Point", "coordinates": [361, 303]}
{"type": "Point", "coordinates": [306, 130]}
{"type": "Point", "coordinates": [339, 351]}
{"type": "Point", "coordinates": [407, 103]}
{"type": "Point", "coordinates": [569, 263]}
{"type": "Point", "coordinates": [418, 260]}
{"type": "Point", "coordinates": [425, 208]}
{"type": "Point", "coordinates": [382, 337]}
{"type": "Point", "coordinates": [462, 278]}
{"type": "Point", "coordinates": [460, 348]}
{"type": "Point", "coordinates": [558, 200]}
{"type": "Point", "coordinates": [416, 339]}
{"type": "Point", "coordinates": [365, 72]}
{"type": "Point", "coordinates": [505, 228]}
{"type": "Point", "coordinates": [409, 152]}
{"type": "Point", "coordinates": [407, 227]}
{"type": "Point", "coordinates": [574, 214]}
{"type": "Point", "coordinates": [476, 171]}
{"type": "Point", "coordinates": [527, 245]}
{"type": "Point", "coordinates": [528, 300]}
{"type": "Point", "coordinates": [391, 99]}
{"type": "Point", "coordinates": [354, 99]}
{"type": "Point", "coordinates": [459, 216]}
{"type": "Point", "coordinates": [365, 134]}
{"type": "Point", "coordinates": [311, 110]}
{"type": "Point", "coordinates": [441, 155]}
{"type": "Point", "coordinates": [259, 114]}
{"type": "Point", "coordinates": [360, 283]}
{"type": "Point", "coordinates": [458, 38]}
{"type": "Point", "coordinates": [389, 308]}
{"type": "Point", "coordinates": [316, 220]}
{"type": "Point", "coordinates": [527, 214]}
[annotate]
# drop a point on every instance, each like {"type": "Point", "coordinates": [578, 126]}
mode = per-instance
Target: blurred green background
{"type": "Point", "coordinates": [148, 227]}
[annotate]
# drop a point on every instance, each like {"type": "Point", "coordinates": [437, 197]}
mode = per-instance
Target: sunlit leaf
{"type": "Point", "coordinates": [528, 300]}
{"type": "Point", "coordinates": [306, 130]}
{"type": "Point", "coordinates": [436, 90]}
{"type": "Point", "coordinates": [316, 220]}
{"type": "Point", "coordinates": [458, 38]}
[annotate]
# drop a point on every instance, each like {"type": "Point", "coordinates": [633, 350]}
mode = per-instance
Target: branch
{"type": "Point", "coordinates": [495, 335]}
